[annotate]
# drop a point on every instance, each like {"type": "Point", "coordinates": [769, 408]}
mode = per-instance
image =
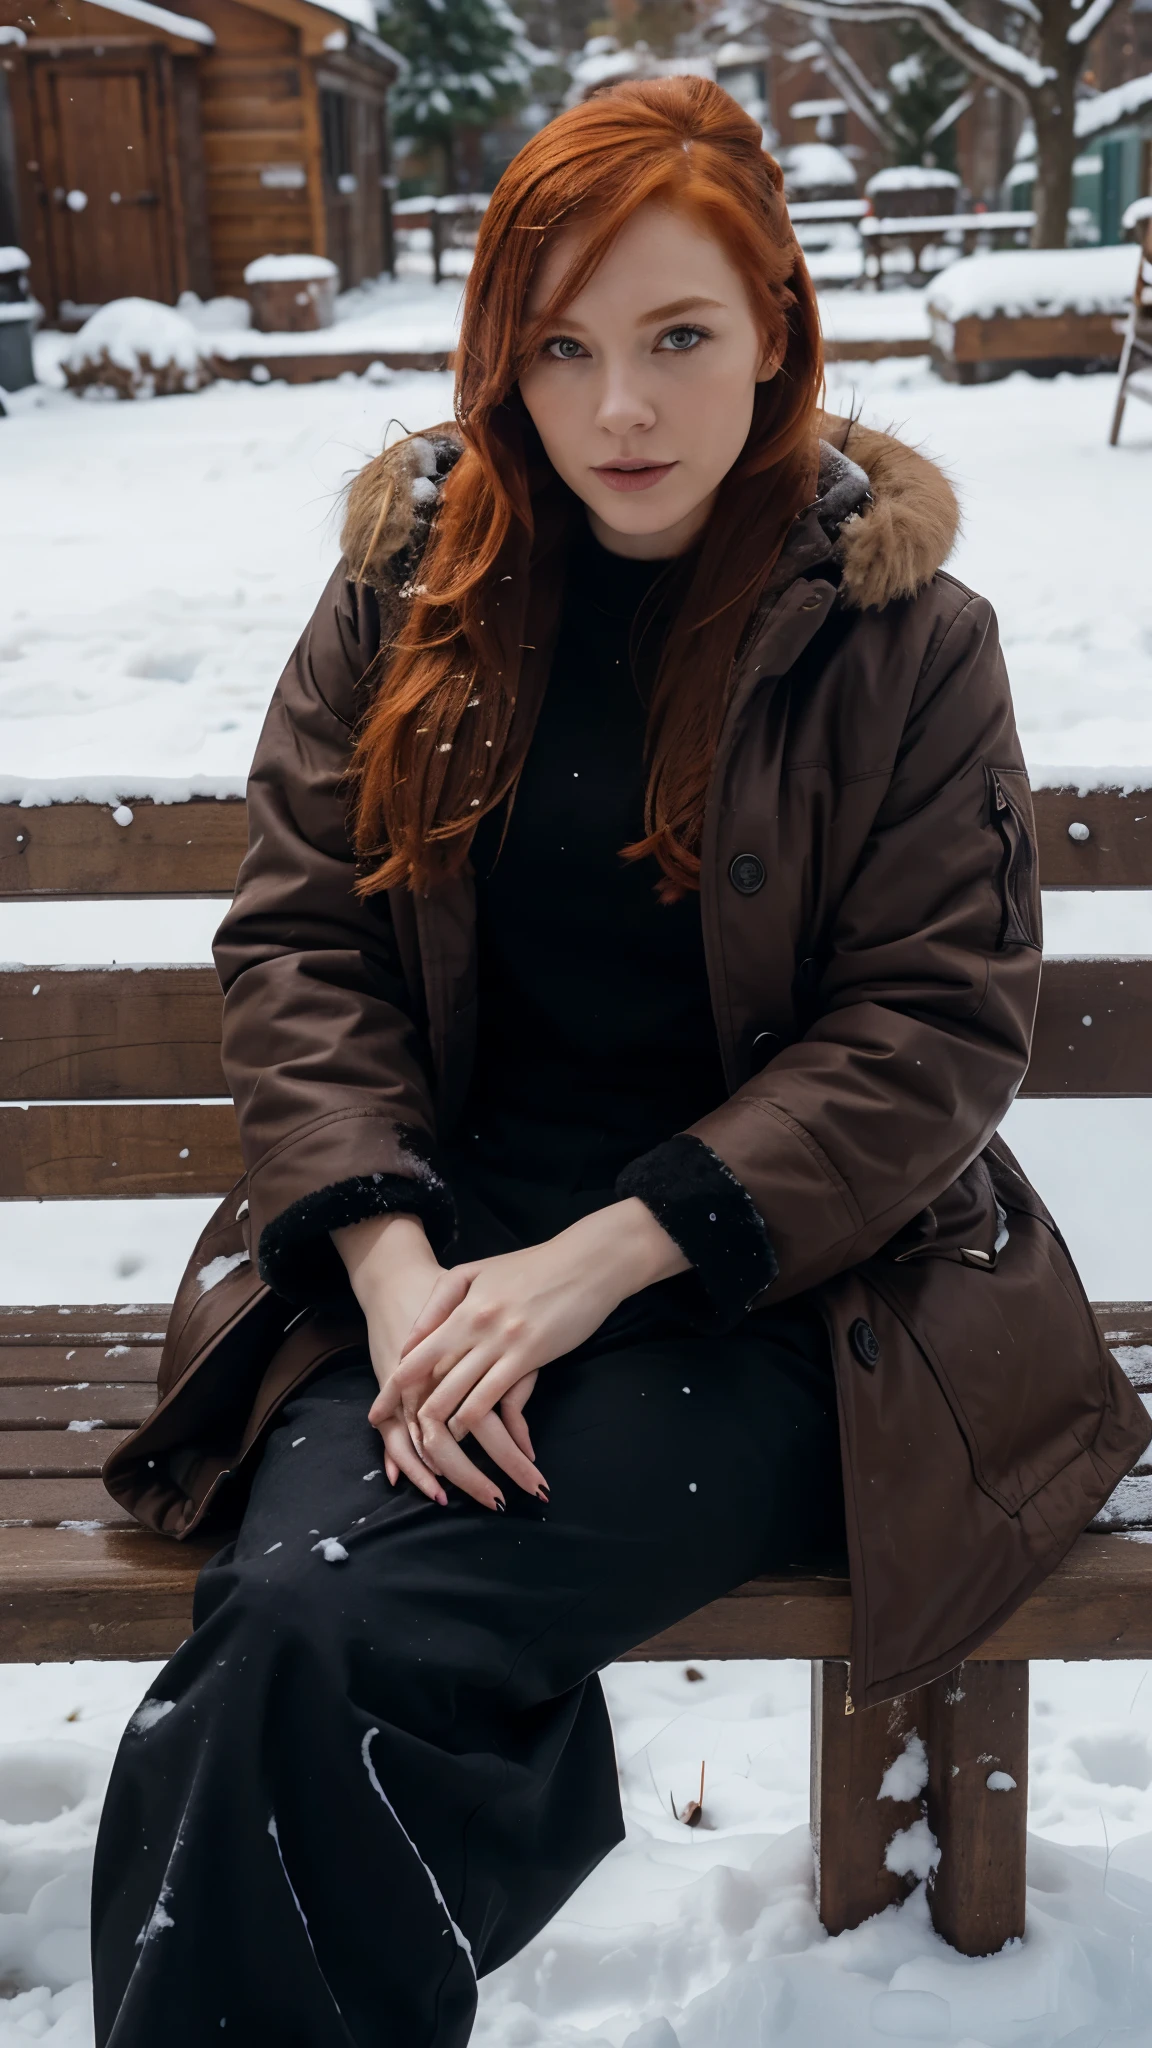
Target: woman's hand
{"type": "Point", "coordinates": [393, 1271]}
{"type": "Point", "coordinates": [488, 1326]}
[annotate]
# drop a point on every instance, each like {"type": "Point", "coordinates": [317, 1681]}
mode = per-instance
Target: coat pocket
{"type": "Point", "coordinates": [1016, 1351]}
{"type": "Point", "coordinates": [1011, 811]}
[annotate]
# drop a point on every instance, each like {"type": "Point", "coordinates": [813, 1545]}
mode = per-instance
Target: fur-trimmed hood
{"type": "Point", "coordinates": [890, 514]}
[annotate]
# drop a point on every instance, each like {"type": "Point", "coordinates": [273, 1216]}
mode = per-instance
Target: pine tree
{"type": "Point", "coordinates": [470, 63]}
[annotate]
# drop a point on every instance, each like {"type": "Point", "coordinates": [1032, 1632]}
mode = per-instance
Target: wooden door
{"type": "Point", "coordinates": [105, 184]}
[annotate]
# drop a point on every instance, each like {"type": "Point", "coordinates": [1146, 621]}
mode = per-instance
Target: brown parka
{"type": "Point", "coordinates": [871, 919]}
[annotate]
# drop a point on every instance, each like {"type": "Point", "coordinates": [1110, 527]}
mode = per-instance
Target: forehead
{"type": "Point", "coordinates": [658, 255]}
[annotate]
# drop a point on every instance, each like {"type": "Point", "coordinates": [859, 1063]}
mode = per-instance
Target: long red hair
{"type": "Point", "coordinates": [449, 726]}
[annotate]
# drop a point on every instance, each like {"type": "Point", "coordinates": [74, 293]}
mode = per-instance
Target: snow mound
{"type": "Point", "coordinates": [288, 269]}
{"type": "Point", "coordinates": [910, 178]}
{"type": "Point", "coordinates": [1140, 209]}
{"type": "Point", "coordinates": [12, 258]}
{"type": "Point", "coordinates": [1041, 282]}
{"type": "Point", "coordinates": [50, 1798]}
{"type": "Point", "coordinates": [807, 165]}
{"type": "Point", "coordinates": [136, 348]}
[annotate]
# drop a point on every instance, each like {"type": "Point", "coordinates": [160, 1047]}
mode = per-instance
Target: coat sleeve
{"type": "Point", "coordinates": [326, 1065]}
{"type": "Point", "coordinates": [923, 1011]}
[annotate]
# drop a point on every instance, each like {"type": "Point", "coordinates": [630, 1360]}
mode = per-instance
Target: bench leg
{"type": "Point", "coordinates": [851, 1826]}
{"type": "Point", "coordinates": [977, 1729]}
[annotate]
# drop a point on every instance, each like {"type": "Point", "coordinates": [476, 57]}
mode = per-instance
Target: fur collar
{"type": "Point", "coordinates": [888, 514]}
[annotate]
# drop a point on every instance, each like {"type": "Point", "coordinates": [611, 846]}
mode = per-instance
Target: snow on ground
{"type": "Point", "coordinates": [162, 559]}
{"type": "Point", "coordinates": [684, 1939]}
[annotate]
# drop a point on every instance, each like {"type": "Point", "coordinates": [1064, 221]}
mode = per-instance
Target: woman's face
{"type": "Point", "coordinates": [642, 393]}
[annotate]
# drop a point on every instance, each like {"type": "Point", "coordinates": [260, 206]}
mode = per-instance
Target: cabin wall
{"type": "Point", "coordinates": [261, 142]}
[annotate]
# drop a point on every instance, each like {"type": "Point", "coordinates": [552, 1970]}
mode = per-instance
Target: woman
{"type": "Point", "coordinates": [636, 952]}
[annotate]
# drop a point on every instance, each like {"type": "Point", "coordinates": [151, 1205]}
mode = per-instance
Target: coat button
{"type": "Point", "coordinates": [746, 873]}
{"type": "Point", "coordinates": [864, 1342]}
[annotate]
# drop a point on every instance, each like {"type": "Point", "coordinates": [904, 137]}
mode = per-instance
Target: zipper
{"type": "Point", "coordinates": [1017, 873]}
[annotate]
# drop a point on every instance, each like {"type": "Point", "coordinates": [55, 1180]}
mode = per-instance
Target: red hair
{"type": "Point", "coordinates": [448, 730]}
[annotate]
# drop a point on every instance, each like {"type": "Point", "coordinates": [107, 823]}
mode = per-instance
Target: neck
{"type": "Point", "coordinates": [653, 547]}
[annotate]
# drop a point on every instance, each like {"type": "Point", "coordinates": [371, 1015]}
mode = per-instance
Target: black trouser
{"type": "Point", "coordinates": [378, 1776]}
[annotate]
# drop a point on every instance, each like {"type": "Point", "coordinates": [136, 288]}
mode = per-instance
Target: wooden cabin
{"type": "Point", "coordinates": [155, 152]}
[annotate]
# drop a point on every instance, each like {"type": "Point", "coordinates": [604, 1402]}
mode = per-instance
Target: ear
{"type": "Point", "coordinates": [770, 362]}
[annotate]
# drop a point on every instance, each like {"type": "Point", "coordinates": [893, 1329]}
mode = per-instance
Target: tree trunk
{"type": "Point", "coordinates": [1054, 116]}
{"type": "Point", "coordinates": [1053, 113]}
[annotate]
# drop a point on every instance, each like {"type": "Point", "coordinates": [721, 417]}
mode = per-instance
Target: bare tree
{"type": "Point", "coordinates": [1037, 58]}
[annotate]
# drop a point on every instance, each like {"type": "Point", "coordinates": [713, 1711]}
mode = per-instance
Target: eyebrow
{"type": "Point", "coordinates": [677, 306]}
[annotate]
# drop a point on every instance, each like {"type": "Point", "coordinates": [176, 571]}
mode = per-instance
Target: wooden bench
{"type": "Point", "coordinates": [111, 1086]}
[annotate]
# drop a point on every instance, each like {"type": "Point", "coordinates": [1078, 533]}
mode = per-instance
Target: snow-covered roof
{"type": "Point", "coordinates": [1035, 282]}
{"type": "Point", "coordinates": [1107, 109]}
{"type": "Point", "coordinates": [360, 12]}
{"type": "Point", "coordinates": [815, 163]}
{"type": "Point", "coordinates": [910, 178]}
{"type": "Point", "coordinates": [812, 110]}
{"type": "Point", "coordinates": [161, 17]}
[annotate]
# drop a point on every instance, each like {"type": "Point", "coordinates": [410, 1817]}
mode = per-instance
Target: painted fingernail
{"type": "Point", "coordinates": [499, 1504]}
{"type": "Point", "coordinates": [542, 1491]}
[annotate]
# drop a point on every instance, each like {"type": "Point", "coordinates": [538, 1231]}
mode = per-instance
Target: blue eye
{"type": "Point", "coordinates": [682, 339]}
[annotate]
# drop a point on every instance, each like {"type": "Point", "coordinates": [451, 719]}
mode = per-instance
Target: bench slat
{"type": "Point", "coordinates": [129, 1594]}
{"type": "Point", "coordinates": [56, 1365]}
{"type": "Point", "coordinates": [53, 1407]}
{"type": "Point", "coordinates": [109, 1031]}
{"type": "Point", "coordinates": [117, 1593]}
{"type": "Point", "coordinates": [98, 1033]}
{"type": "Point", "coordinates": [105, 1324]}
{"type": "Point", "coordinates": [78, 850]}
{"type": "Point", "coordinates": [55, 1453]}
{"type": "Point", "coordinates": [45, 1503]}
{"type": "Point", "coordinates": [66, 1151]}
{"type": "Point", "coordinates": [195, 848]}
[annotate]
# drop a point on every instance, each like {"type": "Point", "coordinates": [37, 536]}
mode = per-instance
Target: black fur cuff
{"type": "Point", "coordinates": [297, 1257]}
{"type": "Point", "coordinates": [711, 1216]}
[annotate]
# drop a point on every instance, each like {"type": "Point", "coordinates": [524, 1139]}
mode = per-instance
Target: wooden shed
{"type": "Point", "coordinates": [156, 152]}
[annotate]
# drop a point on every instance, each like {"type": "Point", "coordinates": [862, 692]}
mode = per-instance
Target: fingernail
{"type": "Point", "coordinates": [441, 1497]}
{"type": "Point", "coordinates": [499, 1503]}
{"type": "Point", "coordinates": [542, 1491]}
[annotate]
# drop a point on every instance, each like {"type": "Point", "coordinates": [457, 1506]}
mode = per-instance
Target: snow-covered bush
{"type": "Point", "coordinates": [136, 348]}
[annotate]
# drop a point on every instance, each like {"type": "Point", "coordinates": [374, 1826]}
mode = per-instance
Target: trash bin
{"type": "Point", "coordinates": [19, 314]}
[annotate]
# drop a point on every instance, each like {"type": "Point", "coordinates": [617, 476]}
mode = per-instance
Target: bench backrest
{"type": "Point", "coordinates": [110, 1077]}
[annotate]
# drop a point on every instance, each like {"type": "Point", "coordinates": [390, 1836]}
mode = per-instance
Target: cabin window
{"type": "Point", "coordinates": [337, 132]}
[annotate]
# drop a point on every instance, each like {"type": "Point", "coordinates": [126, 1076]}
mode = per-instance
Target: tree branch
{"type": "Point", "coordinates": [997, 61]}
{"type": "Point", "coordinates": [1087, 24]}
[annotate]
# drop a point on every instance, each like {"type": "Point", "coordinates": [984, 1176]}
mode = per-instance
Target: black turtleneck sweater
{"type": "Point", "coordinates": [596, 1043]}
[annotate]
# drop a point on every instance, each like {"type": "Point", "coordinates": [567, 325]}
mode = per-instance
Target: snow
{"type": "Point", "coordinates": [900, 315]}
{"type": "Point", "coordinates": [406, 315]}
{"type": "Point", "coordinates": [1140, 209]}
{"type": "Point", "coordinates": [908, 1776]}
{"type": "Point", "coordinates": [911, 178]}
{"type": "Point", "coordinates": [806, 164]}
{"type": "Point", "coordinates": [161, 17]}
{"type": "Point", "coordinates": [288, 269]}
{"type": "Point", "coordinates": [1119, 103]}
{"type": "Point", "coordinates": [128, 330]}
{"type": "Point", "coordinates": [1034, 281]}
{"type": "Point", "coordinates": [12, 258]}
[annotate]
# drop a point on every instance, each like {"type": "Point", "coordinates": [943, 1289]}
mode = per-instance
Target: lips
{"type": "Point", "coordinates": [634, 475]}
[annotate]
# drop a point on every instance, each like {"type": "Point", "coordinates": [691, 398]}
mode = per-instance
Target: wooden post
{"type": "Point", "coordinates": [851, 1825]}
{"type": "Point", "coordinates": [977, 1736]}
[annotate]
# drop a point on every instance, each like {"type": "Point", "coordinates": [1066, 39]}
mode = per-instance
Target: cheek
{"type": "Point", "coordinates": [554, 409]}
{"type": "Point", "coordinates": [714, 415]}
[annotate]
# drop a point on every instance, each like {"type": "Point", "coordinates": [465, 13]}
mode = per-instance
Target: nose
{"type": "Point", "coordinates": [624, 407]}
